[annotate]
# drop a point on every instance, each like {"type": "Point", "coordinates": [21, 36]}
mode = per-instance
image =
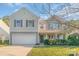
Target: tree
{"type": "Point", "coordinates": [6, 19]}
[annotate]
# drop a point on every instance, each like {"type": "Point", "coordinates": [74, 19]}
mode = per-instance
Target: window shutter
{"type": "Point", "coordinates": [33, 24]}
{"type": "Point", "coordinates": [14, 23]}
{"type": "Point", "coordinates": [21, 23]}
{"type": "Point", "coordinates": [26, 23]}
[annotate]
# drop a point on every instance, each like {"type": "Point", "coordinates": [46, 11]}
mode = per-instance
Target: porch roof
{"type": "Point", "coordinates": [51, 32]}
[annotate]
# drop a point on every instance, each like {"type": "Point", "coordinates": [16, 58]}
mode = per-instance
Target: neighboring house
{"type": "Point", "coordinates": [23, 27]}
{"type": "Point", "coordinates": [26, 28]}
{"type": "Point", "coordinates": [4, 31]}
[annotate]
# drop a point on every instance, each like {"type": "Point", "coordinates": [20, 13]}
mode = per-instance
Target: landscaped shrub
{"type": "Point", "coordinates": [55, 42]}
{"type": "Point", "coordinates": [64, 41]}
{"type": "Point", "coordinates": [0, 41]}
{"type": "Point", "coordinates": [73, 39]}
{"type": "Point", "coordinates": [71, 54]}
{"type": "Point", "coordinates": [59, 42]}
{"type": "Point", "coordinates": [6, 42]}
{"type": "Point", "coordinates": [50, 42]}
{"type": "Point", "coordinates": [46, 42]}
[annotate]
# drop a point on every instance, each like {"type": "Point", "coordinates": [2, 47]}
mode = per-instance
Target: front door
{"type": "Point", "coordinates": [41, 38]}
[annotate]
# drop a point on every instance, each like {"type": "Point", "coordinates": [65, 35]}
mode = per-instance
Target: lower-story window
{"type": "Point", "coordinates": [61, 37]}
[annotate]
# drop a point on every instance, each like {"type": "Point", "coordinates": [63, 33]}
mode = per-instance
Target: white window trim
{"type": "Point", "coordinates": [27, 24]}
{"type": "Point", "coordinates": [15, 23]}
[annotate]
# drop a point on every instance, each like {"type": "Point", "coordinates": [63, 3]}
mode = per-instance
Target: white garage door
{"type": "Point", "coordinates": [24, 38]}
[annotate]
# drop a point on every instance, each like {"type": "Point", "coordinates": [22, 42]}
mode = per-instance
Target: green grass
{"type": "Point", "coordinates": [54, 51]}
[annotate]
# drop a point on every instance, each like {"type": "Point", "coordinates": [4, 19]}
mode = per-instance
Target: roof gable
{"type": "Point", "coordinates": [56, 18]}
{"type": "Point", "coordinates": [23, 13]}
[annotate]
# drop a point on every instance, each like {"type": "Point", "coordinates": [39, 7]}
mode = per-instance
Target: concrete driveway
{"type": "Point", "coordinates": [14, 50]}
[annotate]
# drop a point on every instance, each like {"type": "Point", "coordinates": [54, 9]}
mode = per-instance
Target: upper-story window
{"type": "Point", "coordinates": [53, 25]}
{"type": "Point", "coordinates": [29, 23]}
{"type": "Point", "coordinates": [17, 23]}
{"type": "Point", "coordinates": [41, 26]}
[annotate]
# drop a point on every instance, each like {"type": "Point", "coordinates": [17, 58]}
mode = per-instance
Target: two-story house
{"type": "Point", "coordinates": [23, 27]}
{"type": "Point", "coordinates": [26, 28]}
{"type": "Point", "coordinates": [52, 28]}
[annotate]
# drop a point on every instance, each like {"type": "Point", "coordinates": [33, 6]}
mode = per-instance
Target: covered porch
{"type": "Point", "coordinates": [50, 36]}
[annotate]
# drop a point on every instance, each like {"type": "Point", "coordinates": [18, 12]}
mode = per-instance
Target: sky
{"type": "Point", "coordinates": [41, 10]}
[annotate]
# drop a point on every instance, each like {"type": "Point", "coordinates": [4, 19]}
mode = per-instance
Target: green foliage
{"type": "Point", "coordinates": [0, 41]}
{"type": "Point", "coordinates": [6, 42]}
{"type": "Point", "coordinates": [46, 42]}
{"type": "Point", "coordinates": [73, 39]}
{"type": "Point", "coordinates": [55, 42]}
{"type": "Point", "coordinates": [59, 41]}
{"type": "Point", "coordinates": [6, 20]}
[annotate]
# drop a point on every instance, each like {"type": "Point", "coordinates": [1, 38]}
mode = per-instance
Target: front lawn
{"type": "Point", "coordinates": [54, 51]}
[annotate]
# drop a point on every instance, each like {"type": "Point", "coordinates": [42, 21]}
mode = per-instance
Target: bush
{"type": "Point", "coordinates": [71, 54]}
{"type": "Point", "coordinates": [64, 41]}
{"type": "Point", "coordinates": [55, 42]}
{"type": "Point", "coordinates": [59, 41]}
{"type": "Point", "coordinates": [6, 42]}
{"type": "Point", "coordinates": [46, 42]}
{"type": "Point", "coordinates": [50, 42]}
{"type": "Point", "coordinates": [0, 41]}
{"type": "Point", "coordinates": [73, 39]}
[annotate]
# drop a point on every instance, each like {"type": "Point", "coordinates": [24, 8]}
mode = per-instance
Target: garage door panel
{"type": "Point", "coordinates": [24, 38]}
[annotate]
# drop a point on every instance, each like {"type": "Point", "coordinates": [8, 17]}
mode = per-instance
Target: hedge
{"type": "Point", "coordinates": [73, 39]}
{"type": "Point", "coordinates": [55, 42]}
{"type": "Point", "coordinates": [46, 42]}
{"type": "Point", "coordinates": [6, 42]}
{"type": "Point", "coordinates": [0, 41]}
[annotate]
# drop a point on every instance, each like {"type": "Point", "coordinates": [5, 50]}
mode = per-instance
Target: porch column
{"type": "Point", "coordinates": [38, 39]}
{"type": "Point", "coordinates": [50, 37]}
{"type": "Point", "coordinates": [56, 36]}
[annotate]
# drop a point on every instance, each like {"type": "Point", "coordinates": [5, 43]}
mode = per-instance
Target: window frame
{"type": "Point", "coordinates": [18, 23]}
{"type": "Point", "coordinates": [30, 23]}
{"type": "Point", "coordinates": [53, 25]}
